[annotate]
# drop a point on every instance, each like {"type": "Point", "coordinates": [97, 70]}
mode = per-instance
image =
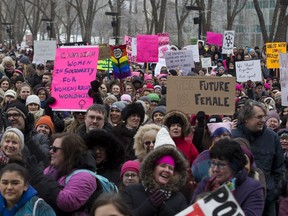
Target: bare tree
{"type": "Point", "coordinates": [232, 13]}
{"type": "Point", "coordinates": [148, 18]}
{"type": "Point", "coordinates": [205, 15]}
{"type": "Point", "coordinates": [158, 17]}
{"type": "Point", "coordinates": [180, 19]}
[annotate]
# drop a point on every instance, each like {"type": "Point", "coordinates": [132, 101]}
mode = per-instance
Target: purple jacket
{"type": "Point", "coordinates": [249, 194]}
{"type": "Point", "coordinates": [76, 192]}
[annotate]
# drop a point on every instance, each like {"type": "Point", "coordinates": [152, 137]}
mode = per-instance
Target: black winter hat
{"type": "Point", "coordinates": [19, 107]}
{"type": "Point", "coordinates": [133, 108]}
{"type": "Point", "coordinates": [174, 119]}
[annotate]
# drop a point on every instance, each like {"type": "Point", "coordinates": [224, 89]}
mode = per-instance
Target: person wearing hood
{"type": "Point", "coordinates": [21, 198]}
{"type": "Point", "coordinates": [163, 174]}
{"type": "Point", "coordinates": [265, 146]}
{"type": "Point", "coordinates": [108, 154]}
{"type": "Point", "coordinates": [133, 116]}
{"type": "Point", "coordinates": [179, 127]}
{"type": "Point", "coordinates": [68, 154]}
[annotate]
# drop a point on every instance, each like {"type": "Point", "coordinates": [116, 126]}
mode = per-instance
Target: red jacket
{"type": "Point", "coordinates": [188, 149]}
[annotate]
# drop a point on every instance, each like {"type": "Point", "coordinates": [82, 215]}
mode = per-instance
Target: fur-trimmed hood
{"type": "Point", "coordinates": [186, 124]}
{"type": "Point", "coordinates": [149, 164]}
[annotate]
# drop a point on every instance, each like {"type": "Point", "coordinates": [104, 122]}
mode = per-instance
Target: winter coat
{"type": "Point", "coordinates": [26, 204]}
{"type": "Point", "coordinates": [137, 196]}
{"type": "Point", "coordinates": [249, 194]}
{"type": "Point", "coordinates": [81, 131]}
{"type": "Point", "coordinates": [268, 156]}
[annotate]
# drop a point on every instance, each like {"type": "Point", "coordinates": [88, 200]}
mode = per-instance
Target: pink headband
{"type": "Point", "coordinates": [166, 160]}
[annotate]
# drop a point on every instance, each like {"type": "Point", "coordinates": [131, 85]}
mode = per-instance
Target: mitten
{"type": "Point", "coordinates": [47, 108]}
{"type": "Point", "coordinates": [32, 166]}
{"type": "Point", "coordinates": [157, 198]}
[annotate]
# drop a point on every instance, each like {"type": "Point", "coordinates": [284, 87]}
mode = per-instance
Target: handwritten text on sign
{"type": "Point", "coordinates": [248, 70]}
{"type": "Point", "coordinates": [219, 202]}
{"type": "Point", "coordinates": [179, 59]}
{"type": "Point", "coordinates": [147, 48]}
{"type": "Point", "coordinates": [272, 53]}
{"type": "Point", "coordinates": [44, 50]}
{"type": "Point", "coordinates": [74, 68]}
{"type": "Point", "coordinates": [213, 95]}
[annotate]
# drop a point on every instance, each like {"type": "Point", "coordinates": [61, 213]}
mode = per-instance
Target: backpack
{"type": "Point", "coordinates": [103, 186]}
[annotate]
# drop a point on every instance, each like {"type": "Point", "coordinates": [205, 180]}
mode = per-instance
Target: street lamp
{"type": "Point", "coordinates": [8, 27]}
{"type": "Point", "coordinates": [197, 20]}
{"type": "Point", "coordinates": [49, 26]}
{"type": "Point", "coordinates": [115, 25]}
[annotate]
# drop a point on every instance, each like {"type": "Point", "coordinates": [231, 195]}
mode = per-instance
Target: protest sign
{"type": "Point", "coordinates": [82, 43]}
{"type": "Point", "coordinates": [214, 38]}
{"type": "Point", "coordinates": [104, 64]}
{"type": "Point", "coordinates": [163, 38]}
{"type": "Point", "coordinates": [147, 45]}
{"type": "Point", "coordinates": [179, 59]}
{"type": "Point", "coordinates": [248, 70]}
{"type": "Point", "coordinates": [206, 62]}
{"type": "Point", "coordinates": [119, 58]}
{"type": "Point", "coordinates": [195, 52]}
{"type": "Point", "coordinates": [272, 53]}
{"type": "Point", "coordinates": [213, 95]}
{"type": "Point", "coordinates": [219, 202]}
{"type": "Point", "coordinates": [74, 68]}
{"type": "Point", "coordinates": [44, 50]}
{"type": "Point", "coordinates": [161, 63]}
{"type": "Point", "coordinates": [228, 42]}
{"type": "Point", "coordinates": [131, 48]}
{"type": "Point", "coordinates": [284, 78]}
{"type": "Point", "coordinates": [104, 52]}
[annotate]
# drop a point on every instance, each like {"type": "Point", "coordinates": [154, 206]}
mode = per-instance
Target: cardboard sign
{"type": "Point", "coordinates": [104, 52]}
{"type": "Point", "coordinates": [272, 53]}
{"type": "Point", "coordinates": [74, 68]}
{"type": "Point", "coordinates": [228, 42]}
{"type": "Point", "coordinates": [44, 50]}
{"type": "Point", "coordinates": [179, 59]}
{"type": "Point", "coordinates": [284, 78]}
{"type": "Point", "coordinates": [206, 62]}
{"type": "Point", "coordinates": [214, 38]}
{"type": "Point", "coordinates": [147, 45]}
{"type": "Point", "coordinates": [195, 52]}
{"type": "Point", "coordinates": [213, 95]}
{"type": "Point", "coordinates": [248, 70]}
{"type": "Point", "coordinates": [219, 202]}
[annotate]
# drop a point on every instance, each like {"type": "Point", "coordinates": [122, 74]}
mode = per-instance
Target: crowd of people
{"type": "Point", "coordinates": [159, 161]}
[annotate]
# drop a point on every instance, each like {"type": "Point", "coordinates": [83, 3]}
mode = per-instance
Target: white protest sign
{"type": "Point", "coordinates": [206, 62]}
{"type": "Point", "coordinates": [248, 70]}
{"type": "Point", "coordinates": [219, 202]}
{"type": "Point", "coordinates": [195, 51]}
{"type": "Point", "coordinates": [161, 63]}
{"type": "Point", "coordinates": [179, 59]}
{"type": "Point", "coordinates": [44, 50]}
{"type": "Point", "coordinates": [284, 78]}
{"type": "Point", "coordinates": [228, 42]}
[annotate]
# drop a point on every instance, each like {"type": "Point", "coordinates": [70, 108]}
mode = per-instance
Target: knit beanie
{"type": "Point", "coordinates": [145, 98]}
{"type": "Point", "coordinates": [130, 166]}
{"type": "Point", "coordinates": [19, 107]}
{"type": "Point", "coordinates": [24, 60]}
{"type": "Point", "coordinates": [47, 121]}
{"type": "Point", "coordinates": [154, 97]}
{"type": "Point", "coordinates": [160, 109]}
{"type": "Point", "coordinates": [277, 96]}
{"type": "Point", "coordinates": [17, 132]}
{"type": "Point", "coordinates": [272, 114]}
{"type": "Point", "coordinates": [126, 97]}
{"type": "Point", "coordinates": [163, 138]}
{"type": "Point", "coordinates": [10, 92]}
{"type": "Point", "coordinates": [33, 99]}
{"type": "Point", "coordinates": [120, 105]}
{"type": "Point", "coordinates": [149, 87]}
{"type": "Point", "coordinates": [214, 128]}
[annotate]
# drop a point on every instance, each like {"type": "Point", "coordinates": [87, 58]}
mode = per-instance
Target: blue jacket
{"type": "Point", "coordinates": [268, 156]}
{"type": "Point", "coordinates": [25, 205]}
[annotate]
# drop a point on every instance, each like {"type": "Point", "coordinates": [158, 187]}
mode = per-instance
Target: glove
{"type": "Point", "coordinates": [32, 166]}
{"type": "Point", "coordinates": [47, 108]}
{"type": "Point", "coordinates": [95, 84]}
{"type": "Point", "coordinates": [212, 184]}
{"type": "Point", "coordinates": [157, 198]}
{"type": "Point", "coordinates": [94, 93]}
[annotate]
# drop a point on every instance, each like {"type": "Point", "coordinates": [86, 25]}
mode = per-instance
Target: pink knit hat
{"type": "Point", "coordinates": [130, 166]}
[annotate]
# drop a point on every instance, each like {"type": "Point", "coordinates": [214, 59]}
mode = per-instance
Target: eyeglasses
{"type": "Point", "coordinates": [259, 117]}
{"type": "Point", "coordinates": [13, 115]}
{"type": "Point", "coordinates": [54, 148]}
{"type": "Point", "coordinates": [147, 143]}
{"type": "Point", "coordinates": [219, 165]}
{"type": "Point", "coordinates": [127, 175]}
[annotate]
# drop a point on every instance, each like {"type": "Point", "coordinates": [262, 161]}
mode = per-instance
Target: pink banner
{"type": "Point", "coordinates": [214, 38]}
{"type": "Point", "coordinates": [147, 48]}
{"type": "Point", "coordinates": [163, 39]}
{"type": "Point", "coordinates": [74, 68]}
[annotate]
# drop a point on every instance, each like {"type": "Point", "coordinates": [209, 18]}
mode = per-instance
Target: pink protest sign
{"type": "Point", "coordinates": [214, 38]}
{"type": "Point", "coordinates": [147, 48]}
{"type": "Point", "coordinates": [74, 68]}
{"type": "Point", "coordinates": [129, 48]}
{"type": "Point", "coordinates": [163, 39]}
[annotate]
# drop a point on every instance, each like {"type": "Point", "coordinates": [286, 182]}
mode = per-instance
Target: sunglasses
{"type": "Point", "coordinates": [147, 143]}
{"type": "Point", "coordinates": [54, 148]}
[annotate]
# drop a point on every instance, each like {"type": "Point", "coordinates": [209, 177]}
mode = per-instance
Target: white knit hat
{"type": "Point", "coordinates": [163, 138]}
{"type": "Point", "coordinates": [17, 132]}
{"type": "Point", "coordinates": [10, 92]}
{"type": "Point", "coordinates": [33, 99]}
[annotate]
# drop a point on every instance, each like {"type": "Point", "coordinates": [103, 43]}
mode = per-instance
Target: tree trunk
{"type": "Point", "coordinates": [280, 35]}
{"type": "Point", "coordinates": [261, 21]}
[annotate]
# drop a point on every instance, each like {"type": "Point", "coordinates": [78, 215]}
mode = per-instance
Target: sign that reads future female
{"type": "Point", "coordinates": [284, 78]}
{"type": "Point", "coordinates": [248, 70]}
{"type": "Point", "coordinates": [228, 42]}
{"type": "Point", "coordinates": [179, 59]}
{"type": "Point", "coordinates": [74, 68]}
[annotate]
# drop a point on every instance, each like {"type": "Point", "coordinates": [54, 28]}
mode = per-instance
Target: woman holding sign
{"type": "Point", "coordinates": [228, 167]}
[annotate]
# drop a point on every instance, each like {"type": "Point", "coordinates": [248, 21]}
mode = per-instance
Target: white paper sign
{"type": "Point", "coordinates": [284, 78]}
{"type": "Point", "coordinates": [179, 59]}
{"type": "Point", "coordinates": [219, 202]}
{"type": "Point", "coordinates": [228, 42]}
{"type": "Point", "coordinates": [206, 62]}
{"type": "Point", "coordinates": [195, 50]}
{"type": "Point", "coordinates": [248, 70]}
{"type": "Point", "coordinates": [44, 50]}
{"type": "Point", "coordinates": [161, 63]}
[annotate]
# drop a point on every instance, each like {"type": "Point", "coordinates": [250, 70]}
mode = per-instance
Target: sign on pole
{"type": "Point", "coordinates": [214, 38]}
{"type": "Point", "coordinates": [228, 42]}
{"type": "Point", "coordinates": [44, 50]}
{"type": "Point", "coordinates": [74, 68]}
{"type": "Point", "coordinates": [248, 70]}
{"type": "Point", "coordinates": [147, 48]}
{"type": "Point", "coordinates": [195, 51]}
{"type": "Point", "coordinates": [179, 59]}
{"type": "Point", "coordinates": [272, 53]}
{"type": "Point", "coordinates": [213, 95]}
{"type": "Point", "coordinates": [284, 78]}
{"type": "Point", "coordinates": [206, 62]}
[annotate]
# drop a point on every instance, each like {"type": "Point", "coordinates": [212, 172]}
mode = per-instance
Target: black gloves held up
{"type": "Point", "coordinates": [157, 198]}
